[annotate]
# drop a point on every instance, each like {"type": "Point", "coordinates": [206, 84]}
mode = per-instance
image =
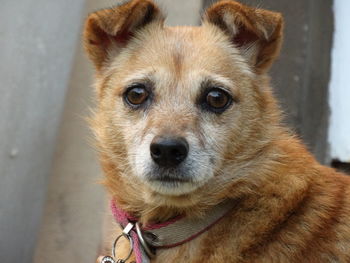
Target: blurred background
{"type": "Point", "coordinates": [51, 205]}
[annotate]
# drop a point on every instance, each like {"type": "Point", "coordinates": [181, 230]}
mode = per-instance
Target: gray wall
{"type": "Point", "coordinates": [72, 221]}
{"type": "Point", "coordinates": [37, 40]}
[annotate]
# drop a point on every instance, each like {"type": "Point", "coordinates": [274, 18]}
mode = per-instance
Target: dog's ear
{"type": "Point", "coordinates": [109, 30]}
{"type": "Point", "coordinates": [256, 32]}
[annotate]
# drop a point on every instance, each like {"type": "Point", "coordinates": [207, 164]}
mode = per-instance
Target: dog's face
{"type": "Point", "coordinates": [178, 104]}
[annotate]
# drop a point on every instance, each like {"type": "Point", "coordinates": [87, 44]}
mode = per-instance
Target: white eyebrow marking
{"type": "Point", "coordinates": [214, 77]}
{"type": "Point", "coordinates": [220, 79]}
{"type": "Point", "coordinates": [139, 76]}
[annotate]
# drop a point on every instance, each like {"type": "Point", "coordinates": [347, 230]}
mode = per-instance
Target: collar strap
{"type": "Point", "coordinates": [169, 234]}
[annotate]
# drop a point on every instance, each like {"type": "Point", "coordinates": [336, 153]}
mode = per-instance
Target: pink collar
{"type": "Point", "coordinates": [145, 240]}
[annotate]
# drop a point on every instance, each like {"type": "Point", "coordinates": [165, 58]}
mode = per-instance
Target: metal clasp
{"type": "Point", "coordinates": [125, 234]}
{"type": "Point", "coordinates": [143, 242]}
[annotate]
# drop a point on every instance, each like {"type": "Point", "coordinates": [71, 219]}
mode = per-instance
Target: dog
{"type": "Point", "coordinates": [188, 130]}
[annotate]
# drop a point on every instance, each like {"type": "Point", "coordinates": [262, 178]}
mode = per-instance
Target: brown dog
{"type": "Point", "coordinates": [186, 120]}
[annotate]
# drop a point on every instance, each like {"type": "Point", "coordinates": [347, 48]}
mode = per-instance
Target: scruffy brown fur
{"type": "Point", "coordinates": [290, 208]}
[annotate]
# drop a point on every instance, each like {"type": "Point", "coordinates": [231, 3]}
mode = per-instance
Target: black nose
{"type": "Point", "coordinates": [168, 152]}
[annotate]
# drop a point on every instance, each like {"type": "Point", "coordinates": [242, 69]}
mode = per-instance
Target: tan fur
{"type": "Point", "coordinates": [290, 208]}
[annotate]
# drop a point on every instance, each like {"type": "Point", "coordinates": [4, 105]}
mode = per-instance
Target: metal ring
{"type": "Point", "coordinates": [128, 237]}
{"type": "Point", "coordinates": [143, 242]}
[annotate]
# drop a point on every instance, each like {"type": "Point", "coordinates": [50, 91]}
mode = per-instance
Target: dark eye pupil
{"type": "Point", "coordinates": [137, 95]}
{"type": "Point", "coordinates": [217, 99]}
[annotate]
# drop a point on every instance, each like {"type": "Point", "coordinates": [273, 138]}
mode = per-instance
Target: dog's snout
{"type": "Point", "coordinates": [168, 152]}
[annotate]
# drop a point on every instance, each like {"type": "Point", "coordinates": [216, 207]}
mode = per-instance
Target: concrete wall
{"type": "Point", "coordinates": [71, 226]}
{"type": "Point", "coordinates": [339, 129]}
{"type": "Point", "coordinates": [37, 40]}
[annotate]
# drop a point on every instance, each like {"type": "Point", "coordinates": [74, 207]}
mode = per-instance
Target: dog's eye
{"type": "Point", "coordinates": [218, 99]}
{"type": "Point", "coordinates": [136, 95]}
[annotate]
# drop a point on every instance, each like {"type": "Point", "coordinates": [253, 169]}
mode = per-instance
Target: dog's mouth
{"type": "Point", "coordinates": [171, 179]}
{"type": "Point", "coordinates": [170, 182]}
{"type": "Point", "coordinates": [168, 176]}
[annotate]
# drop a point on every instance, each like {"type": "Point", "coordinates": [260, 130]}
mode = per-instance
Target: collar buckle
{"type": "Point", "coordinates": [149, 251]}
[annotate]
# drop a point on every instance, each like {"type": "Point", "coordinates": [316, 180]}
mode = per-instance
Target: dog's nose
{"type": "Point", "coordinates": [168, 152]}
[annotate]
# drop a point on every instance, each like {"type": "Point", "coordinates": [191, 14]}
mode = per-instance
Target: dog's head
{"type": "Point", "coordinates": [181, 108]}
